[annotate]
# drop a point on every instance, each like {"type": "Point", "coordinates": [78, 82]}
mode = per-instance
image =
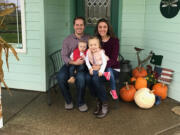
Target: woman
{"type": "Point", "coordinates": [110, 44]}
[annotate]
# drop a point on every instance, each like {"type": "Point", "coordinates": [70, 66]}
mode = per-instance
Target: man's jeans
{"type": "Point", "coordinates": [62, 78]}
{"type": "Point", "coordinates": [73, 68]}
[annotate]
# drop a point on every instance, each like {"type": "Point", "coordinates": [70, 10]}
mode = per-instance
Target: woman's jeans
{"type": "Point", "coordinates": [62, 78]}
{"type": "Point", "coordinates": [96, 84]}
{"type": "Point", "coordinates": [112, 78]}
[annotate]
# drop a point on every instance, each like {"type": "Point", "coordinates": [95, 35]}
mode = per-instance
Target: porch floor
{"type": "Point", "coordinates": [27, 113]}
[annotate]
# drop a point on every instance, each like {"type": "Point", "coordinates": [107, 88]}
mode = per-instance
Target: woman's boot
{"type": "Point", "coordinates": [103, 112]}
{"type": "Point", "coordinates": [98, 107]}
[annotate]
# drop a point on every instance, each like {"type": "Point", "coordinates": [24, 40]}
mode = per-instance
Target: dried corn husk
{"type": "Point", "coordinates": [9, 8]}
{"type": "Point", "coordinates": [5, 46]}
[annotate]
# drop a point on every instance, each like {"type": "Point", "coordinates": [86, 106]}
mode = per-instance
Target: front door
{"type": "Point", "coordinates": [93, 10]}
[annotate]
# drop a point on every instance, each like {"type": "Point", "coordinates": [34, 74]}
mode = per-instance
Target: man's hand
{"type": "Point", "coordinates": [91, 71]}
{"type": "Point", "coordinates": [79, 61]}
{"type": "Point", "coordinates": [100, 73]}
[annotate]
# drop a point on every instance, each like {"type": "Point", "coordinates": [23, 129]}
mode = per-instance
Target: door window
{"type": "Point", "coordinates": [96, 9]}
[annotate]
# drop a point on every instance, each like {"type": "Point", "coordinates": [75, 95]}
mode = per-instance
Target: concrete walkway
{"type": "Point", "coordinates": [27, 113]}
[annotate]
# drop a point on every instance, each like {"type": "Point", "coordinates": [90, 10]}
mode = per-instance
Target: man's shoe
{"type": "Point", "coordinates": [103, 111]}
{"type": "Point", "coordinates": [69, 106]}
{"type": "Point", "coordinates": [83, 108]}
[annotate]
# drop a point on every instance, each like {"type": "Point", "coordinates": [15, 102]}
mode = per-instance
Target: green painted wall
{"type": "Point", "coordinates": [58, 24]}
{"type": "Point", "coordinates": [29, 72]}
{"type": "Point", "coordinates": [162, 35]}
{"type": "Point", "coordinates": [142, 25]}
{"type": "Point", "coordinates": [131, 30]}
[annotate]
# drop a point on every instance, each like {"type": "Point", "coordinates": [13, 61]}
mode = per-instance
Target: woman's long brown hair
{"type": "Point", "coordinates": [109, 32]}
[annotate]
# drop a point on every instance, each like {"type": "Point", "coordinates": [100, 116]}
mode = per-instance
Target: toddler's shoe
{"type": "Point", "coordinates": [107, 75]}
{"type": "Point", "coordinates": [114, 94]}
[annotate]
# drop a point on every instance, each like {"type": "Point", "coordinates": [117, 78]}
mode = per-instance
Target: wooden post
{"type": "Point", "coordinates": [1, 118]}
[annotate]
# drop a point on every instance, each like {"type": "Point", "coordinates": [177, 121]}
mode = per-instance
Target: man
{"type": "Point", "coordinates": [69, 44]}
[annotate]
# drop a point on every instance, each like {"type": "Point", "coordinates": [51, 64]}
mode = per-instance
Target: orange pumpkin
{"type": "Point", "coordinates": [139, 72]}
{"type": "Point", "coordinates": [127, 93]}
{"type": "Point", "coordinates": [133, 79]}
{"type": "Point", "coordinates": [140, 83]}
{"type": "Point", "coordinates": [160, 89]}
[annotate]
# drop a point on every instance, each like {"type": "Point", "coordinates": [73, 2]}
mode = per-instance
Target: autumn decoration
{"type": "Point", "coordinates": [139, 72]}
{"type": "Point", "coordinates": [144, 98]}
{"type": "Point", "coordinates": [8, 8]}
{"type": "Point", "coordinates": [160, 89]}
{"type": "Point", "coordinates": [127, 92]}
{"type": "Point", "coordinates": [140, 83]}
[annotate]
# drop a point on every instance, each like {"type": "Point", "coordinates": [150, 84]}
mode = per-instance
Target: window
{"type": "Point", "coordinates": [13, 30]}
{"type": "Point", "coordinates": [96, 9]}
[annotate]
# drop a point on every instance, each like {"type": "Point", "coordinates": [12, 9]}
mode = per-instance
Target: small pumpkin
{"type": "Point", "coordinates": [139, 72]}
{"type": "Point", "coordinates": [133, 79]}
{"type": "Point", "coordinates": [140, 83]}
{"type": "Point", "coordinates": [144, 98]}
{"type": "Point", "coordinates": [160, 89]}
{"type": "Point", "coordinates": [127, 93]}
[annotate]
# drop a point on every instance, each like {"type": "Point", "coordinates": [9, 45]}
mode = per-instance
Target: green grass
{"type": "Point", "coordinates": [11, 37]}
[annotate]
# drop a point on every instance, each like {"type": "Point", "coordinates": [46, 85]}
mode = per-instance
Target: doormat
{"type": "Point", "coordinates": [176, 110]}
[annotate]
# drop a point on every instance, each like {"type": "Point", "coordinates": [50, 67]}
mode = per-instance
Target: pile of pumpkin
{"type": "Point", "coordinates": [139, 91]}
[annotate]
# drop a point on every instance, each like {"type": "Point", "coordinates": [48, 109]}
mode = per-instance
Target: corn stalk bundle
{"type": "Point", "coordinates": [6, 9]}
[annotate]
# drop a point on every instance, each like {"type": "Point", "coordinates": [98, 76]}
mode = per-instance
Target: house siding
{"type": "Point", "coordinates": [58, 25]}
{"type": "Point", "coordinates": [142, 25]}
{"type": "Point", "coordinates": [162, 35]}
{"type": "Point", "coordinates": [132, 27]}
{"type": "Point", "coordinates": [29, 72]}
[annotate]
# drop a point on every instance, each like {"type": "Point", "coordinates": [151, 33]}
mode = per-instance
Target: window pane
{"type": "Point", "coordinates": [11, 30]}
{"type": "Point", "coordinates": [96, 9]}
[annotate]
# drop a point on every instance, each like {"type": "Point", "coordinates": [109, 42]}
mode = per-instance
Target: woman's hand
{"type": "Point", "coordinates": [100, 73]}
{"type": "Point", "coordinates": [96, 67]}
{"type": "Point", "coordinates": [91, 71]}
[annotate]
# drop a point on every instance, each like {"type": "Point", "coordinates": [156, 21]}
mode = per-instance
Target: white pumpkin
{"type": "Point", "coordinates": [144, 98]}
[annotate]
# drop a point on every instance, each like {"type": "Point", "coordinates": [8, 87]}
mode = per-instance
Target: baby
{"type": "Point", "coordinates": [79, 52]}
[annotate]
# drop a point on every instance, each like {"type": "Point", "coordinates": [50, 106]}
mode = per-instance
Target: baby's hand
{"type": "Point", "coordinates": [91, 71]}
{"type": "Point", "coordinates": [83, 57]}
{"type": "Point", "coordinates": [100, 73]}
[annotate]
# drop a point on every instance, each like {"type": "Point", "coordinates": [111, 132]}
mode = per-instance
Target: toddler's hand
{"type": "Point", "coordinates": [91, 71]}
{"type": "Point", "coordinates": [96, 67]}
{"type": "Point", "coordinates": [100, 73]}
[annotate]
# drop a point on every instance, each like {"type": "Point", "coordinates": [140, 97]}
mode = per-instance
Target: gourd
{"type": "Point", "coordinates": [127, 93]}
{"type": "Point", "coordinates": [160, 89]}
{"type": "Point", "coordinates": [139, 72]}
{"type": "Point", "coordinates": [133, 79]}
{"type": "Point", "coordinates": [140, 83]}
{"type": "Point", "coordinates": [144, 98]}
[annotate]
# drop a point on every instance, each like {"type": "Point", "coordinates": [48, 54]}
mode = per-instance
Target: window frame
{"type": "Point", "coordinates": [23, 30]}
{"type": "Point", "coordinates": [23, 49]}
